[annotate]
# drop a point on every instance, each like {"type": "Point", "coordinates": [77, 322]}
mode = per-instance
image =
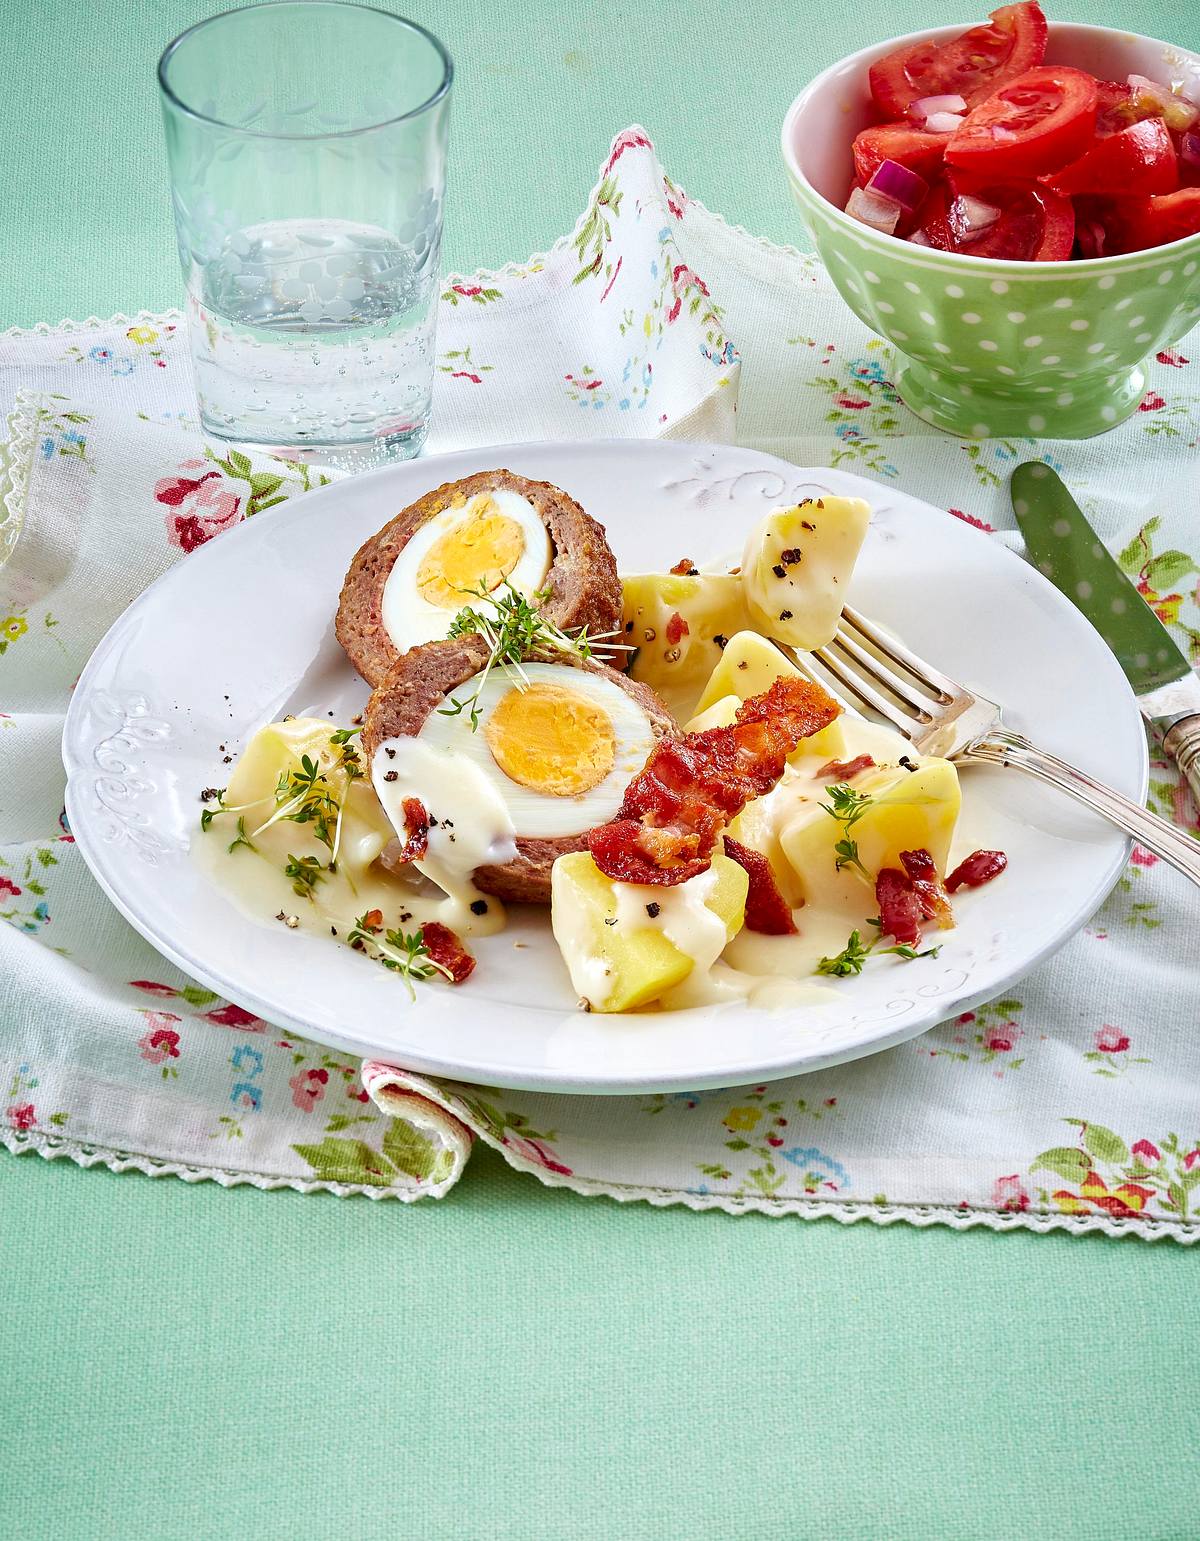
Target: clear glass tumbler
{"type": "Point", "coordinates": [307, 148]}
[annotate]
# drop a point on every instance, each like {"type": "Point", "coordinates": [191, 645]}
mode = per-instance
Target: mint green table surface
{"type": "Point", "coordinates": [184, 1362]}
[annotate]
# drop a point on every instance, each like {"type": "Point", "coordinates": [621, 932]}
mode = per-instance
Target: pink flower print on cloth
{"type": "Point", "coordinates": [308, 1087]}
{"type": "Point", "coordinates": [1009, 1195]}
{"type": "Point", "coordinates": [198, 507]}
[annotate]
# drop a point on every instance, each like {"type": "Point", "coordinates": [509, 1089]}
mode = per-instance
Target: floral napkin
{"type": "Point", "coordinates": [1071, 1103]}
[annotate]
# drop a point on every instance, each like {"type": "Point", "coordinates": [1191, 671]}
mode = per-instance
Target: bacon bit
{"type": "Point", "coordinates": [978, 868]}
{"type": "Point", "coordinates": [676, 629]}
{"type": "Point", "coordinates": [899, 907]}
{"type": "Point", "coordinates": [447, 951]}
{"type": "Point", "coordinates": [766, 909]}
{"type": "Point", "coordinates": [686, 568]}
{"type": "Point", "coordinates": [372, 921]}
{"type": "Point", "coordinates": [923, 876]}
{"type": "Point", "coordinates": [675, 808]}
{"type": "Point", "coordinates": [416, 832]}
{"type": "Point", "coordinates": [842, 770]}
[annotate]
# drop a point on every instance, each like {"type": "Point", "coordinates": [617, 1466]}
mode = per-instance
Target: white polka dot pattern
{"type": "Point", "coordinates": [978, 351]}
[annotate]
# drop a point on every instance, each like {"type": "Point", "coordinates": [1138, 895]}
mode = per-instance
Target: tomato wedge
{"type": "Point", "coordinates": [1135, 224]}
{"type": "Point", "coordinates": [1035, 224]}
{"type": "Point", "coordinates": [912, 147]}
{"type": "Point", "coordinates": [970, 66]}
{"type": "Point", "coordinates": [1034, 124]}
{"type": "Point", "coordinates": [1137, 159]}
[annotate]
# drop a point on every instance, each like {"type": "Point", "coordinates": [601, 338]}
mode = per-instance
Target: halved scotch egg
{"type": "Point", "coordinates": [465, 540]}
{"type": "Point", "coordinates": [547, 758]}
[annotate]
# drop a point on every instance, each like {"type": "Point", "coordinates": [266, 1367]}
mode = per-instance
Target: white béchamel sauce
{"type": "Point", "coordinates": [470, 825]}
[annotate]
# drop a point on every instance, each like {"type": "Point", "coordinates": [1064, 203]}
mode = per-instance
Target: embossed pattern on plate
{"type": "Point", "coordinates": [146, 721]}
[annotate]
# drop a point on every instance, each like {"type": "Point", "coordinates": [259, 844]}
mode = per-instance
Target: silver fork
{"type": "Point", "coordinates": [941, 717]}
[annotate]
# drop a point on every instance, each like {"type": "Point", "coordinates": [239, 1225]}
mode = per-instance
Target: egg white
{"type": "Point", "coordinates": [408, 617]}
{"type": "Point", "coordinates": [538, 814]}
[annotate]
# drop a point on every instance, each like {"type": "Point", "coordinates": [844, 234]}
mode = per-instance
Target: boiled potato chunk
{"type": "Point", "coordinates": [719, 715]}
{"type": "Point", "coordinates": [909, 810]}
{"type": "Point", "coordinates": [675, 663]}
{"type": "Point", "coordinates": [748, 666]}
{"type": "Point", "coordinates": [276, 750]}
{"type": "Point", "coordinates": [623, 966]}
{"type": "Point", "coordinates": [757, 827]}
{"type": "Point", "coordinates": [796, 568]}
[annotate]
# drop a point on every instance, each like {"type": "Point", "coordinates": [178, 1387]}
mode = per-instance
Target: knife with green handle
{"type": "Point", "coordinates": [1062, 544]}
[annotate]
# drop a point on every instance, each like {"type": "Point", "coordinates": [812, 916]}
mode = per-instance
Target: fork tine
{"type": "Point", "coordinates": [922, 671]}
{"type": "Point", "coordinates": [881, 674]}
{"type": "Point", "coordinates": [854, 682]}
{"type": "Point", "coordinates": [803, 662]}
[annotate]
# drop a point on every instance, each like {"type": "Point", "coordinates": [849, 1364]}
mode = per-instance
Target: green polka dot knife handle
{"type": "Point", "coordinates": [1063, 546]}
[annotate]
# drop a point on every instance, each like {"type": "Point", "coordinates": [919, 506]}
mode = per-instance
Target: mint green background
{"type": "Point", "coordinates": [184, 1362]}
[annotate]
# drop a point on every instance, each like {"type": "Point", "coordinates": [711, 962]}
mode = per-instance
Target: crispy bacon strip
{"type": "Point", "coordinates": [978, 868]}
{"type": "Point", "coordinates": [899, 906]}
{"type": "Point", "coordinates": [923, 876]}
{"type": "Point", "coordinates": [446, 949]}
{"type": "Point", "coordinates": [842, 770]}
{"type": "Point", "coordinates": [766, 908]}
{"type": "Point", "coordinates": [675, 808]}
{"type": "Point", "coordinates": [676, 629]}
{"type": "Point", "coordinates": [416, 833]}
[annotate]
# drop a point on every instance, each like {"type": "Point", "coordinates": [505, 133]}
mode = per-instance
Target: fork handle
{"type": "Point", "coordinates": [1170, 842]}
{"type": "Point", "coordinates": [1182, 743]}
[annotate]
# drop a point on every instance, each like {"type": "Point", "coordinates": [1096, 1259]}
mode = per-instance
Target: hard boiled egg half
{"type": "Point", "coordinates": [560, 749]}
{"type": "Point", "coordinates": [473, 546]}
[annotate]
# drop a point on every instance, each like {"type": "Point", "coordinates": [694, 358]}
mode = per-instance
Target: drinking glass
{"type": "Point", "coordinates": [307, 150]}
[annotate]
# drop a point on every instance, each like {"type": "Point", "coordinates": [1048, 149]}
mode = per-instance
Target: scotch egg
{"type": "Point", "coordinates": [557, 749]}
{"type": "Point", "coordinates": [462, 542]}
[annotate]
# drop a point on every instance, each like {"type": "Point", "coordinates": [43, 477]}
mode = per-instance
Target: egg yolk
{"type": "Point", "coordinates": [478, 553]}
{"type": "Point", "coordinates": [553, 740]}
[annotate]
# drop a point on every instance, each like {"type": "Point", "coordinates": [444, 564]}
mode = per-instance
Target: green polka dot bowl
{"type": "Point", "coordinates": [988, 347]}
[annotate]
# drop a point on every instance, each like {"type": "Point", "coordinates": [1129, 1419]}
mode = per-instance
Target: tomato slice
{"type": "Point", "coordinates": [1035, 223]}
{"type": "Point", "coordinates": [970, 66]}
{"type": "Point", "coordinates": [1034, 124]}
{"type": "Point", "coordinates": [912, 147]}
{"type": "Point", "coordinates": [1135, 224]}
{"type": "Point", "coordinates": [1137, 159]}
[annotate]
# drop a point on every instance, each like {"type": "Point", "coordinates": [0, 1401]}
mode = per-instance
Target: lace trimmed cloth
{"type": "Point", "coordinates": [1072, 1103]}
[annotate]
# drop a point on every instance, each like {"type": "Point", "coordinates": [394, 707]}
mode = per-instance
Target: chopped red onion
{"type": "Point", "coordinates": [872, 209]}
{"type": "Point", "coordinates": [942, 122]}
{"type": "Point", "coordinates": [929, 105]}
{"type": "Point", "coordinates": [897, 182]}
{"type": "Point", "coordinates": [1092, 237]}
{"type": "Point", "coordinates": [1178, 113]}
{"type": "Point", "coordinates": [1189, 148]}
{"type": "Point", "coordinates": [970, 217]}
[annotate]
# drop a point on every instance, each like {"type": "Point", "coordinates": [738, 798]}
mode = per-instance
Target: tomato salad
{"type": "Point", "coordinates": [984, 149]}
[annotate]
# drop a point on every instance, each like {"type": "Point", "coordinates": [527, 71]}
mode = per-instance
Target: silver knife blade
{"type": "Point", "coordinates": [1062, 545]}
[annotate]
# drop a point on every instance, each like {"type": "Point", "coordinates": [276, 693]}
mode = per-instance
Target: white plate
{"type": "Point", "coordinates": [242, 632]}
